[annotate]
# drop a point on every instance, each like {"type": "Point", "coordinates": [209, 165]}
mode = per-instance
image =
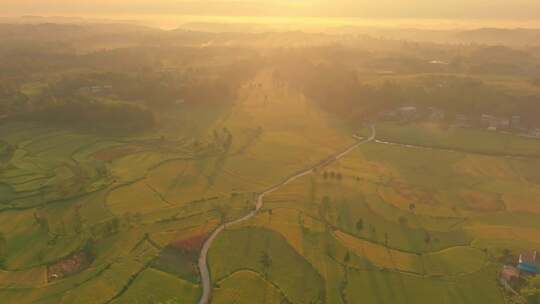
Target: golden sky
{"type": "Point", "coordinates": [431, 9]}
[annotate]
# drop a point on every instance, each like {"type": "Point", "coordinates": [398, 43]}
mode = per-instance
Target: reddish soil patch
{"type": "Point", "coordinates": [71, 265]}
{"type": "Point", "coordinates": [483, 202]}
{"type": "Point", "coordinates": [110, 154]}
{"type": "Point", "coordinates": [180, 258]}
{"type": "Point", "coordinates": [193, 243]}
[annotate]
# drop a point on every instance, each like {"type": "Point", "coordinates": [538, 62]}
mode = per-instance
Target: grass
{"type": "Point", "coordinates": [386, 287]}
{"type": "Point", "coordinates": [153, 286]}
{"type": "Point", "coordinates": [454, 261]}
{"type": "Point", "coordinates": [245, 286]}
{"type": "Point", "coordinates": [342, 206]}
{"type": "Point", "coordinates": [136, 198]}
{"type": "Point", "coordinates": [23, 279]}
{"type": "Point", "coordinates": [400, 224]}
{"type": "Point", "coordinates": [380, 255]}
{"type": "Point", "coordinates": [28, 243]}
{"type": "Point", "coordinates": [243, 249]}
{"type": "Point", "coordinates": [110, 284]}
{"type": "Point", "coordinates": [467, 140]}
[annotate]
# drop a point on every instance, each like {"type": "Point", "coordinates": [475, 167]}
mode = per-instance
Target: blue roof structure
{"type": "Point", "coordinates": [528, 268]}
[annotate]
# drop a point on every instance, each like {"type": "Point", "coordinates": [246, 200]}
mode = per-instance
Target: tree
{"type": "Point", "coordinates": [412, 207]}
{"type": "Point", "coordinates": [506, 256]}
{"type": "Point", "coordinates": [373, 231]}
{"type": "Point", "coordinates": [89, 248]}
{"type": "Point", "coordinates": [266, 263]}
{"type": "Point", "coordinates": [42, 221]}
{"type": "Point", "coordinates": [427, 238]}
{"type": "Point", "coordinates": [325, 175]}
{"type": "Point", "coordinates": [360, 225]}
{"type": "Point", "coordinates": [79, 225]}
{"type": "Point", "coordinates": [115, 225]}
{"type": "Point", "coordinates": [347, 257]}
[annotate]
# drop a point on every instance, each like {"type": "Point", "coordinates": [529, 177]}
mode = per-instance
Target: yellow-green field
{"type": "Point", "coordinates": [385, 224]}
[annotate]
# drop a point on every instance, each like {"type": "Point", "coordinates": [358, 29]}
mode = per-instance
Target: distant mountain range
{"type": "Point", "coordinates": [70, 27]}
{"type": "Point", "coordinates": [490, 36]}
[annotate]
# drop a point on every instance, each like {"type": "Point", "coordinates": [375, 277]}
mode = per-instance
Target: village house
{"type": "Point", "coordinates": [462, 121]}
{"type": "Point", "coordinates": [535, 132]}
{"type": "Point", "coordinates": [492, 123]}
{"type": "Point", "coordinates": [407, 113]}
{"type": "Point", "coordinates": [96, 89]}
{"type": "Point", "coordinates": [436, 114]}
{"type": "Point", "coordinates": [505, 123]}
{"type": "Point", "coordinates": [528, 263]}
{"type": "Point", "coordinates": [389, 116]}
{"type": "Point", "coordinates": [509, 274]}
{"type": "Point", "coordinates": [487, 119]}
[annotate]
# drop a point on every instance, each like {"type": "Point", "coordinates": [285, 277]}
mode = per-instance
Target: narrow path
{"type": "Point", "coordinates": [203, 258]}
{"type": "Point", "coordinates": [456, 150]}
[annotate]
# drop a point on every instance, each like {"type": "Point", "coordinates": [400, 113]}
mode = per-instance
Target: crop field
{"type": "Point", "coordinates": [459, 139]}
{"type": "Point", "coordinates": [87, 218]}
{"type": "Point", "coordinates": [243, 286]}
{"type": "Point", "coordinates": [390, 220]}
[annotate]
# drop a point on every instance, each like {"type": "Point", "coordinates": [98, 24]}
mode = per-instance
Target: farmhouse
{"type": "Point", "coordinates": [509, 273]}
{"type": "Point", "coordinates": [493, 123]}
{"type": "Point", "coordinates": [436, 114]}
{"type": "Point", "coordinates": [407, 113]}
{"type": "Point", "coordinates": [96, 89]}
{"type": "Point", "coordinates": [528, 263]}
{"type": "Point", "coordinates": [462, 121]}
{"type": "Point", "coordinates": [534, 132]}
{"type": "Point", "coordinates": [488, 120]}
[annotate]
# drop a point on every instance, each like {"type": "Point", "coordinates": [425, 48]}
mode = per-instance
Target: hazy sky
{"type": "Point", "coordinates": [433, 9]}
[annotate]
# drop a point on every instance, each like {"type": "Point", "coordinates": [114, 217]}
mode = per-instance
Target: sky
{"type": "Point", "coordinates": [373, 9]}
{"type": "Point", "coordinates": [167, 14]}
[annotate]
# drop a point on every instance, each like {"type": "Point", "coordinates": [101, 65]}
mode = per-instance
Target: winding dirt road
{"type": "Point", "coordinates": [203, 258]}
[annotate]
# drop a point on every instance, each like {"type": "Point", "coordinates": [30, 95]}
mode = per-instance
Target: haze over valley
{"type": "Point", "coordinates": [273, 152]}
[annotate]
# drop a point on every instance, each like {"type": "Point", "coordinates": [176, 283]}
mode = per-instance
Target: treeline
{"type": "Point", "coordinates": [159, 87]}
{"type": "Point", "coordinates": [94, 116]}
{"type": "Point", "coordinates": [11, 99]}
{"type": "Point", "coordinates": [6, 152]}
{"type": "Point", "coordinates": [119, 90]}
{"type": "Point", "coordinates": [337, 89]}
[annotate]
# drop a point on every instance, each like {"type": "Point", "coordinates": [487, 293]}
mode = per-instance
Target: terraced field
{"type": "Point", "coordinates": [107, 219]}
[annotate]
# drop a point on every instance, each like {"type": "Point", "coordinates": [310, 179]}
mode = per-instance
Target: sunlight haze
{"type": "Point", "coordinates": [517, 12]}
{"type": "Point", "coordinates": [269, 151]}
